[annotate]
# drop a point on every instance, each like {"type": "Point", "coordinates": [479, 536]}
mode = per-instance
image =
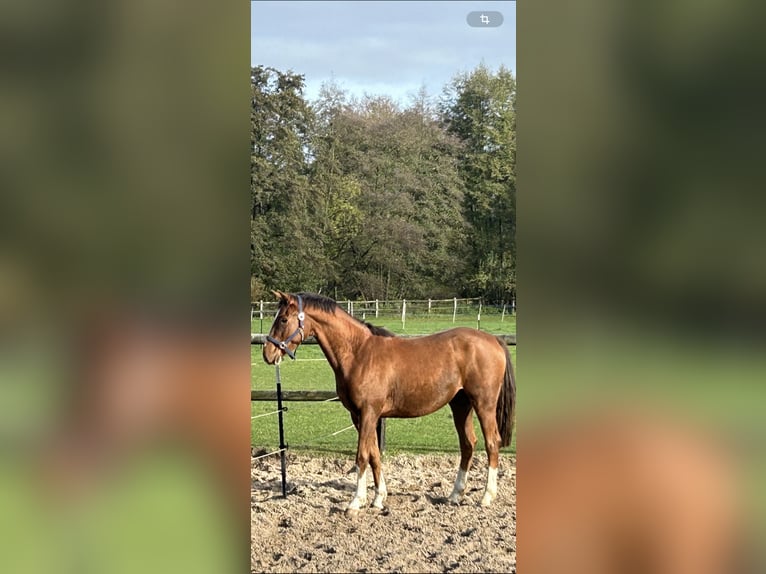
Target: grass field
{"type": "Point", "coordinates": [310, 426]}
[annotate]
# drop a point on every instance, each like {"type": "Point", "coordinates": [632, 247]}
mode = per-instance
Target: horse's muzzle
{"type": "Point", "coordinates": [272, 355]}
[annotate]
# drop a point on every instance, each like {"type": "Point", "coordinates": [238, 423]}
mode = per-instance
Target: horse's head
{"type": "Point", "coordinates": [288, 330]}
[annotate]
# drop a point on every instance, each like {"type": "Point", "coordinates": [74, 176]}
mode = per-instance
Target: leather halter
{"type": "Point", "coordinates": [283, 344]}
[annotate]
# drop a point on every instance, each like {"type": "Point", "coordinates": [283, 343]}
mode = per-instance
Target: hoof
{"type": "Point", "coordinates": [355, 506]}
{"type": "Point", "coordinates": [487, 500]}
{"type": "Point", "coordinates": [378, 502]}
{"type": "Point", "coordinates": [352, 512]}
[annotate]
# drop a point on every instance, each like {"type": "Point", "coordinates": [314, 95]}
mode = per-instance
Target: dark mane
{"type": "Point", "coordinates": [379, 331]}
{"type": "Point", "coordinates": [314, 301]}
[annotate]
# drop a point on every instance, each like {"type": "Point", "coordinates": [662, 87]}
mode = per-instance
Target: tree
{"type": "Point", "coordinates": [480, 109]}
{"type": "Point", "coordinates": [284, 252]}
{"type": "Point", "coordinates": [390, 173]}
{"type": "Point", "coordinates": [372, 198]}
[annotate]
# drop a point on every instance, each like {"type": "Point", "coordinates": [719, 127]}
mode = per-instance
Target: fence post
{"type": "Point", "coordinates": [478, 317]}
{"type": "Point", "coordinates": [429, 306]}
{"type": "Point", "coordinates": [454, 310]}
{"type": "Point", "coordinates": [513, 305]}
{"type": "Point", "coordinates": [404, 311]}
{"type": "Point", "coordinates": [282, 445]}
{"type": "Point", "coordinates": [380, 430]}
{"type": "Point", "coordinates": [502, 315]}
{"type": "Point", "coordinates": [376, 308]}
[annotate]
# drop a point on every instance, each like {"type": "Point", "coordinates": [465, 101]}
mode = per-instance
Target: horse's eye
{"type": "Point", "coordinates": [283, 320]}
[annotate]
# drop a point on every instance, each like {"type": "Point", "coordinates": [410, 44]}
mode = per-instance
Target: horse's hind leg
{"type": "Point", "coordinates": [461, 415]}
{"type": "Point", "coordinates": [487, 418]}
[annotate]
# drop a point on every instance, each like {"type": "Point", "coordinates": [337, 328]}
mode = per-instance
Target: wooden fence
{"type": "Point", "coordinates": [402, 308]}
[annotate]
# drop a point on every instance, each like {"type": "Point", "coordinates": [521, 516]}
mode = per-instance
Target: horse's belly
{"type": "Point", "coordinates": [416, 399]}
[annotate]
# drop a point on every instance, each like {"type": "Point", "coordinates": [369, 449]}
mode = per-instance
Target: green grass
{"type": "Point", "coordinates": [309, 426]}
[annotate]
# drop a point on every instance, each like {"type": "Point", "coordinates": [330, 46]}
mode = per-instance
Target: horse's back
{"type": "Point", "coordinates": [464, 345]}
{"type": "Point", "coordinates": [459, 345]}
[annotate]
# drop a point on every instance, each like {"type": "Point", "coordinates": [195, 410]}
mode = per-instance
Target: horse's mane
{"type": "Point", "coordinates": [379, 331]}
{"type": "Point", "coordinates": [314, 301]}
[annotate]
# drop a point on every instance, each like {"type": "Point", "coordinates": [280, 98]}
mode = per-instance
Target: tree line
{"type": "Point", "coordinates": [374, 199]}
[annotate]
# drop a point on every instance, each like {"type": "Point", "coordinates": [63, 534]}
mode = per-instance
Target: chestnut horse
{"type": "Point", "coordinates": [380, 375]}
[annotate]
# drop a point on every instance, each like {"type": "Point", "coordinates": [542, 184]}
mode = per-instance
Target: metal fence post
{"type": "Point", "coordinates": [282, 445]}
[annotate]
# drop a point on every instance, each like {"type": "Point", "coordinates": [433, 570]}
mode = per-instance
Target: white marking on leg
{"type": "Point", "coordinates": [459, 488]}
{"type": "Point", "coordinates": [381, 493]}
{"type": "Point", "coordinates": [491, 491]}
{"type": "Point", "coordinates": [360, 498]}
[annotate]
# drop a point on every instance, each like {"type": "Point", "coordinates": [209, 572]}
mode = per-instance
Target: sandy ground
{"type": "Point", "coordinates": [418, 530]}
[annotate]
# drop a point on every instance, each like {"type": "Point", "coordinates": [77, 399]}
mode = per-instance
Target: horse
{"type": "Point", "coordinates": [378, 374]}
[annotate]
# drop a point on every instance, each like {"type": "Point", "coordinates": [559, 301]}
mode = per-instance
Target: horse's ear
{"type": "Point", "coordinates": [279, 295]}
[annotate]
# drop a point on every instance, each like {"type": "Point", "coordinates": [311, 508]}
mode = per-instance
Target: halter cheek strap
{"type": "Point", "coordinates": [283, 344]}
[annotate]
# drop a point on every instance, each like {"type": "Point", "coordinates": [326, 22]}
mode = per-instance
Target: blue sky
{"type": "Point", "coordinates": [390, 48]}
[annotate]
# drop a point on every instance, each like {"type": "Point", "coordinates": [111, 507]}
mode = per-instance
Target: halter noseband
{"type": "Point", "coordinates": [283, 344]}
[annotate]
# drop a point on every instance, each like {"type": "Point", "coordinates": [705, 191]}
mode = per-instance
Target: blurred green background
{"type": "Point", "coordinates": [641, 236]}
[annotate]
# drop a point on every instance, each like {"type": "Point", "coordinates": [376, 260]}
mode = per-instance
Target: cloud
{"type": "Point", "coordinates": [369, 46]}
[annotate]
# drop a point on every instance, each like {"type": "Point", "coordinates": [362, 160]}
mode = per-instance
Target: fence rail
{"type": "Point", "coordinates": [308, 396]}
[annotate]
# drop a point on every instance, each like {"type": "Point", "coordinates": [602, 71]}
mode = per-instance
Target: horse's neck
{"type": "Point", "coordinates": [339, 336]}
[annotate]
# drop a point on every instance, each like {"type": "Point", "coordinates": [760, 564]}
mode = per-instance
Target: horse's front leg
{"type": "Point", "coordinates": [367, 440]}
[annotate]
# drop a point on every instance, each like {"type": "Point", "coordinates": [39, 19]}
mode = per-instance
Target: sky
{"type": "Point", "coordinates": [390, 48]}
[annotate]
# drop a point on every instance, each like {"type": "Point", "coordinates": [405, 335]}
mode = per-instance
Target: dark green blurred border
{"type": "Point", "coordinates": [124, 169]}
{"type": "Point", "coordinates": [641, 240]}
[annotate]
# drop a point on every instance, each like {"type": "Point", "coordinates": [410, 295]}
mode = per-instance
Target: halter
{"type": "Point", "coordinates": [283, 344]}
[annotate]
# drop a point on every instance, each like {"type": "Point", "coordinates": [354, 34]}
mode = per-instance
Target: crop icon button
{"type": "Point", "coordinates": [487, 19]}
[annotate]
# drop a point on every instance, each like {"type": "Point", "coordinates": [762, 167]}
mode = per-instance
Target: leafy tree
{"type": "Point", "coordinates": [479, 108]}
{"type": "Point", "coordinates": [376, 199]}
{"type": "Point", "coordinates": [391, 173]}
{"type": "Point", "coordinates": [284, 250]}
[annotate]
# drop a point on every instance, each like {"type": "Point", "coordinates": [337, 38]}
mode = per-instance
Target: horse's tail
{"type": "Point", "coordinates": [506, 402]}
